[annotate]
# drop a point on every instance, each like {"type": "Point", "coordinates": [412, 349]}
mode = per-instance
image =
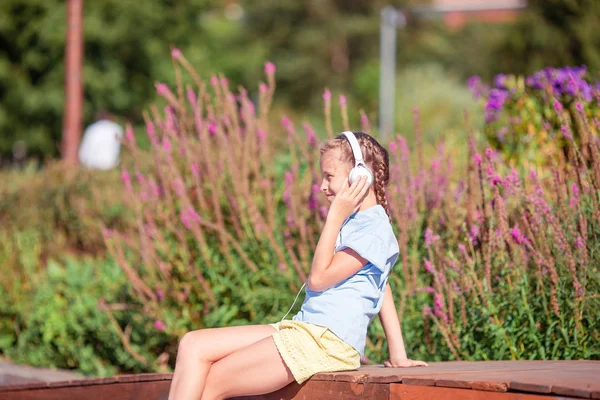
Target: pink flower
{"type": "Point", "coordinates": [126, 179]}
{"type": "Point", "coordinates": [212, 128]}
{"type": "Point", "coordinates": [108, 233]}
{"type": "Point", "coordinates": [579, 107]}
{"type": "Point", "coordinates": [129, 134]}
{"type": "Point", "coordinates": [579, 242]}
{"type": "Point", "coordinates": [263, 88]}
{"type": "Point", "coordinates": [282, 267]}
{"type": "Point", "coordinates": [316, 188]}
{"type": "Point", "coordinates": [214, 80]}
{"type": "Point", "coordinates": [429, 266]}
{"type": "Point", "coordinates": [160, 295]}
{"type": "Point", "coordinates": [393, 147]}
{"type": "Point", "coordinates": [178, 187]}
{"type": "Point", "coordinates": [224, 82]}
{"type": "Point", "coordinates": [195, 170]}
{"type": "Point", "coordinates": [426, 311]}
{"type": "Point", "coordinates": [477, 158]}
{"type": "Point", "coordinates": [566, 131]}
{"type": "Point", "coordinates": [558, 107]}
{"type": "Point", "coordinates": [191, 96]}
{"type": "Point", "coordinates": [326, 95]}
{"type": "Point", "coordinates": [430, 238]}
{"type": "Point", "coordinates": [159, 325]}
{"type": "Point", "coordinates": [166, 143]}
{"type": "Point", "coordinates": [261, 135]}
{"type": "Point", "coordinates": [175, 53]}
{"type": "Point", "coordinates": [270, 68]}
{"type": "Point", "coordinates": [364, 122]}
{"type": "Point", "coordinates": [189, 217]}
{"type": "Point", "coordinates": [162, 89]}
{"type": "Point", "coordinates": [517, 235]}
{"type": "Point", "coordinates": [430, 289]}
{"type": "Point", "coordinates": [343, 101]}
{"type": "Point", "coordinates": [311, 138]}
{"type": "Point", "coordinates": [288, 178]}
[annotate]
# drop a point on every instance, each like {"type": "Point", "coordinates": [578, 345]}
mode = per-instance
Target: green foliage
{"type": "Point", "coordinates": [552, 33]}
{"type": "Point", "coordinates": [57, 322]}
{"type": "Point", "coordinates": [62, 207]}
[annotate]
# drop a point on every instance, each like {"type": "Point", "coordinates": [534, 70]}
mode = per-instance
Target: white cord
{"type": "Point", "coordinates": [300, 291]}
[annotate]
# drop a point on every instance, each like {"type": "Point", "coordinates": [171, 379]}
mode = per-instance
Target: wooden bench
{"type": "Point", "coordinates": [486, 380]}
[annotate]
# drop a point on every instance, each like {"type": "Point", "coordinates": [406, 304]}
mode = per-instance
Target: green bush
{"type": "Point", "coordinates": [58, 322]}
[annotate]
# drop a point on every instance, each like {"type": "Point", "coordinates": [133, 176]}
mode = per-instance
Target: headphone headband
{"type": "Point", "coordinates": [358, 159]}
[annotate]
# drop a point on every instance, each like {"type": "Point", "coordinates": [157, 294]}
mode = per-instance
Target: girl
{"type": "Point", "coordinates": [346, 287]}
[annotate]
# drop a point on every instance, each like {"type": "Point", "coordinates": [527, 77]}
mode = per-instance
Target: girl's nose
{"type": "Point", "coordinates": [323, 186]}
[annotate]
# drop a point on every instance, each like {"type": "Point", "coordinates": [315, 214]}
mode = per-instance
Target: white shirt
{"type": "Point", "coordinates": [100, 145]}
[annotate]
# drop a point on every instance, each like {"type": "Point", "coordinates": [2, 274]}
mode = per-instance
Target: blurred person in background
{"type": "Point", "coordinates": [101, 143]}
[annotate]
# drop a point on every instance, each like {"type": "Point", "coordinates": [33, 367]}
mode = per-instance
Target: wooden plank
{"type": "Point", "coordinates": [413, 392]}
{"type": "Point", "coordinates": [156, 390]}
{"type": "Point", "coordinates": [380, 374]}
{"type": "Point", "coordinates": [324, 390]}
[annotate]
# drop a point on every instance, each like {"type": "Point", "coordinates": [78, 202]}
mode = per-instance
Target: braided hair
{"type": "Point", "coordinates": [375, 156]}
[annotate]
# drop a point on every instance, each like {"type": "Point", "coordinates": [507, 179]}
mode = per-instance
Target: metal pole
{"type": "Point", "coordinates": [390, 20]}
{"type": "Point", "coordinates": [73, 82]}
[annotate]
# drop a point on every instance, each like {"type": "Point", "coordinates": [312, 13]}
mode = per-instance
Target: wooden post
{"type": "Point", "coordinates": [72, 118]}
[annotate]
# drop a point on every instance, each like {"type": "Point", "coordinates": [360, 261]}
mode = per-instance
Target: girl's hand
{"type": "Point", "coordinates": [348, 200]}
{"type": "Point", "coordinates": [403, 363]}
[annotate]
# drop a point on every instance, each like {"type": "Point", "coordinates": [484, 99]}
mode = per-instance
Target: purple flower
{"type": "Point", "coordinates": [500, 81]}
{"type": "Point", "coordinates": [474, 84]}
{"type": "Point", "coordinates": [579, 107]}
{"type": "Point", "coordinates": [496, 100]}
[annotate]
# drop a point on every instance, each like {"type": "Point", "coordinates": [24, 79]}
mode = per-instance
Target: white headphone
{"type": "Point", "coordinates": [360, 168]}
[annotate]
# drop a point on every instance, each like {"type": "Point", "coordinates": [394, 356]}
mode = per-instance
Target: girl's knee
{"type": "Point", "coordinates": [190, 343]}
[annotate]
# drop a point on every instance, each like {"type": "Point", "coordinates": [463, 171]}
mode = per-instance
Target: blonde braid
{"type": "Point", "coordinates": [378, 159]}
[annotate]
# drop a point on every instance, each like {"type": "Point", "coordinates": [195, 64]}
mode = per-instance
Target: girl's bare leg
{"type": "Point", "coordinates": [252, 370]}
{"type": "Point", "coordinates": [198, 350]}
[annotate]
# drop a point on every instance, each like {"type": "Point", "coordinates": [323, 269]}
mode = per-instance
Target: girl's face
{"type": "Point", "coordinates": [335, 174]}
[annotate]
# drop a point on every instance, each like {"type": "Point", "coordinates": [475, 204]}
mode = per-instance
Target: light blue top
{"type": "Point", "coordinates": [348, 307]}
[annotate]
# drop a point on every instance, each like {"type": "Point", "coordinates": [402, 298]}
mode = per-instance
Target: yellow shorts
{"type": "Point", "coordinates": [308, 349]}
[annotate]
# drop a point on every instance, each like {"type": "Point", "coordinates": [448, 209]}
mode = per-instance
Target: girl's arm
{"type": "Point", "coordinates": [328, 269]}
{"type": "Point", "coordinates": [391, 326]}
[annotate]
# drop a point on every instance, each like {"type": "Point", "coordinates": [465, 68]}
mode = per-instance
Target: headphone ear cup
{"type": "Point", "coordinates": [359, 171]}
